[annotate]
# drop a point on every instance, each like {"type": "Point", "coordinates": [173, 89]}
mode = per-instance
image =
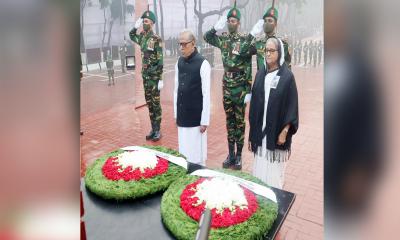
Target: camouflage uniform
{"type": "Point", "coordinates": [305, 50]}
{"type": "Point", "coordinates": [152, 68]}
{"type": "Point", "coordinates": [315, 53]}
{"type": "Point", "coordinates": [236, 81]}
{"type": "Point", "coordinates": [320, 48]}
{"type": "Point", "coordinates": [300, 51]}
{"type": "Point", "coordinates": [295, 53]}
{"type": "Point", "coordinates": [110, 69]}
{"type": "Point", "coordinates": [310, 51]}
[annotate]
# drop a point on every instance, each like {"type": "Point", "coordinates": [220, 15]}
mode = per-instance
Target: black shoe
{"type": "Point", "coordinates": [150, 135]}
{"type": "Point", "coordinates": [156, 136]}
{"type": "Point", "coordinates": [238, 163]}
{"type": "Point", "coordinates": [229, 161]}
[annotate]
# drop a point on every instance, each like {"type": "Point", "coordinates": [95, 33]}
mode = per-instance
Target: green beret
{"type": "Point", "coordinates": [150, 15]}
{"type": "Point", "coordinates": [235, 13]}
{"type": "Point", "coordinates": [271, 12]}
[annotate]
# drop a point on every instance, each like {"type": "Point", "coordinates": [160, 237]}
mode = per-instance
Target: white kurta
{"type": "Point", "coordinates": [193, 143]}
{"type": "Point", "coordinates": [272, 173]}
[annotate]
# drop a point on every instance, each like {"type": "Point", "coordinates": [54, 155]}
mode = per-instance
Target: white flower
{"type": "Point", "coordinates": [137, 159]}
{"type": "Point", "coordinates": [220, 193]}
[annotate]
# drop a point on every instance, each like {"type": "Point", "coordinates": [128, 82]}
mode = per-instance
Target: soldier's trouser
{"type": "Point", "coordinates": [152, 96]}
{"type": "Point", "coordinates": [110, 75]}
{"type": "Point", "coordinates": [234, 106]}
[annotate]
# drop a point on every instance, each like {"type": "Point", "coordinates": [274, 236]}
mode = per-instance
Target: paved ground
{"type": "Point", "coordinates": [113, 116]}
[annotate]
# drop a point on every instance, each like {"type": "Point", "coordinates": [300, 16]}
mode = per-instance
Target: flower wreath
{"type": "Point", "coordinates": [237, 213]}
{"type": "Point", "coordinates": [113, 177]}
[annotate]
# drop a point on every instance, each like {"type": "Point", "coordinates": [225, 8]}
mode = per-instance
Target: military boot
{"type": "Point", "coordinates": [151, 133]}
{"type": "Point", "coordinates": [230, 159]}
{"type": "Point", "coordinates": [238, 162]}
{"type": "Point", "coordinates": [157, 133]}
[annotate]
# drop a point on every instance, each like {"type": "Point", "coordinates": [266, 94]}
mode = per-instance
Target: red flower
{"type": "Point", "coordinates": [113, 171]}
{"type": "Point", "coordinates": [224, 219]}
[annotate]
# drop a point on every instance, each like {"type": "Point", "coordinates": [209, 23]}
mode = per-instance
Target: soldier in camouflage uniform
{"type": "Point", "coordinates": [152, 68]}
{"type": "Point", "coordinates": [320, 48]}
{"type": "Point", "coordinates": [305, 49]}
{"type": "Point", "coordinates": [110, 68]}
{"type": "Point", "coordinates": [268, 24]}
{"type": "Point", "coordinates": [310, 50]}
{"type": "Point", "coordinates": [295, 52]}
{"type": "Point", "coordinates": [236, 81]}
{"type": "Point", "coordinates": [315, 52]}
{"type": "Point", "coordinates": [300, 51]}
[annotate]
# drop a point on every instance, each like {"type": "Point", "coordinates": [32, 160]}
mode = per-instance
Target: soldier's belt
{"type": "Point", "coordinates": [234, 74]}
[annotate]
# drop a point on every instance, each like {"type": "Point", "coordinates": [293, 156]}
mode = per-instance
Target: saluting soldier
{"type": "Point", "coordinates": [152, 68]}
{"type": "Point", "coordinates": [268, 24]}
{"type": "Point", "coordinates": [236, 81]}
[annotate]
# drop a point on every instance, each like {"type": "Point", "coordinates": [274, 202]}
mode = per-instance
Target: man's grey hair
{"type": "Point", "coordinates": [189, 33]}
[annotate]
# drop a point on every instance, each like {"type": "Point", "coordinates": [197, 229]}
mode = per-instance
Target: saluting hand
{"type": "Point", "coordinates": [138, 23]}
{"type": "Point", "coordinates": [221, 23]}
{"type": "Point", "coordinates": [257, 28]}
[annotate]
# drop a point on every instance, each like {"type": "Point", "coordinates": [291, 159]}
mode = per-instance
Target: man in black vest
{"type": "Point", "coordinates": [192, 99]}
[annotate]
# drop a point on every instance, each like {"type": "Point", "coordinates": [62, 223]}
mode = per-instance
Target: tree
{"type": "Point", "coordinates": [104, 4]}
{"type": "Point", "coordinates": [156, 13]}
{"type": "Point", "coordinates": [185, 6]}
{"type": "Point", "coordinates": [83, 5]}
{"type": "Point", "coordinates": [201, 16]}
{"type": "Point", "coordinates": [162, 20]}
{"type": "Point", "coordinates": [119, 9]}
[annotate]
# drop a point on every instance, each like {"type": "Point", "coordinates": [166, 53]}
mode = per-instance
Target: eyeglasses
{"type": "Point", "coordinates": [184, 44]}
{"type": "Point", "coordinates": [270, 50]}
